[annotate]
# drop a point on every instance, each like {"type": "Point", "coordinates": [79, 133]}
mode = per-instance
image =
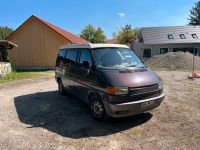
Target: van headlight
{"type": "Point", "coordinates": [160, 86]}
{"type": "Point", "coordinates": [117, 90]}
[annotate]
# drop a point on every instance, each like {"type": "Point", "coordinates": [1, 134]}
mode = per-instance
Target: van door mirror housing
{"type": "Point", "coordinates": [86, 64]}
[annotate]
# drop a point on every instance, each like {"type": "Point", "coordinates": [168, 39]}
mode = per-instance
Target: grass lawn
{"type": "Point", "coordinates": [18, 75]}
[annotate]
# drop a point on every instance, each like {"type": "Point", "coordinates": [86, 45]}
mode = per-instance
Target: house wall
{"type": "Point", "coordinates": [137, 49]}
{"type": "Point", "coordinates": [155, 49]}
{"type": "Point", "coordinates": [37, 45]}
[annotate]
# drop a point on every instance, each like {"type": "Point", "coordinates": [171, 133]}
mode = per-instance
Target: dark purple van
{"type": "Point", "coordinates": [109, 78]}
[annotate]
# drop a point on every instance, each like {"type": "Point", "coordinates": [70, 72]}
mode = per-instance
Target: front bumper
{"type": "Point", "coordinates": [132, 108]}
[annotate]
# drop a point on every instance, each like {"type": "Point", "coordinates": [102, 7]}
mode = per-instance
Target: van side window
{"type": "Point", "coordinates": [71, 55]}
{"type": "Point", "coordinates": [61, 58]}
{"type": "Point", "coordinates": [85, 55]}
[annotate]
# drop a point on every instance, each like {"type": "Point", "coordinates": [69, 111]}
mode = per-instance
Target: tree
{"type": "Point", "coordinates": [194, 17]}
{"type": "Point", "coordinates": [93, 35]}
{"type": "Point", "coordinates": [137, 32]}
{"type": "Point", "coordinates": [4, 33]}
{"type": "Point", "coordinates": [125, 34]}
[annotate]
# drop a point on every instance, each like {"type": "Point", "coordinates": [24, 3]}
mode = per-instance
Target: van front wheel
{"type": "Point", "coordinates": [97, 109]}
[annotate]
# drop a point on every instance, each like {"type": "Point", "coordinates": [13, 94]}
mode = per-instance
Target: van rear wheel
{"type": "Point", "coordinates": [61, 88]}
{"type": "Point", "coordinates": [97, 109]}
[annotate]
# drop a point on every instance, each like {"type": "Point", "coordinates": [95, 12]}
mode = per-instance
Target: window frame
{"type": "Point", "coordinates": [194, 36]}
{"type": "Point", "coordinates": [72, 49]}
{"type": "Point", "coordinates": [170, 36]}
{"type": "Point", "coordinates": [79, 56]}
{"type": "Point", "coordinates": [182, 36]}
{"type": "Point", "coordinates": [150, 52]}
{"type": "Point", "coordinates": [164, 48]}
{"type": "Point", "coordinates": [59, 57]}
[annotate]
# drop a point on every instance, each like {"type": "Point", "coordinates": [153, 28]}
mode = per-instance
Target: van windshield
{"type": "Point", "coordinates": [116, 58]}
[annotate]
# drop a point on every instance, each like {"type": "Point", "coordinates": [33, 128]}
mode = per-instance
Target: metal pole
{"type": "Point", "coordinates": [193, 59]}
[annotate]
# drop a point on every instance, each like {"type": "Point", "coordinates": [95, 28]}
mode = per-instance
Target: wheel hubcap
{"type": "Point", "coordinates": [97, 108]}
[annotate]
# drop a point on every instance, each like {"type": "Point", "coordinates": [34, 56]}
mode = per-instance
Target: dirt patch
{"type": "Point", "coordinates": [174, 60]}
{"type": "Point", "coordinates": [34, 116]}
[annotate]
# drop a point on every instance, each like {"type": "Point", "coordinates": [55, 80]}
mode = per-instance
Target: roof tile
{"type": "Point", "coordinates": [73, 38]}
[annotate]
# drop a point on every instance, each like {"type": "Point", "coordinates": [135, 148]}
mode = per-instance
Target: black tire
{"type": "Point", "coordinates": [61, 88]}
{"type": "Point", "coordinates": [97, 109]}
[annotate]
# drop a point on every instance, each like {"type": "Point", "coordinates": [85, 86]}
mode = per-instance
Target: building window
{"type": "Point", "coordinates": [182, 36]}
{"type": "Point", "coordinates": [184, 49]}
{"type": "Point", "coordinates": [147, 53]}
{"type": "Point", "coordinates": [163, 50]}
{"type": "Point", "coordinates": [194, 36]}
{"type": "Point", "coordinates": [170, 36]}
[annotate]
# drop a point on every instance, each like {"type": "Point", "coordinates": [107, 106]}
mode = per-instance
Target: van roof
{"type": "Point", "coordinates": [91, 46]}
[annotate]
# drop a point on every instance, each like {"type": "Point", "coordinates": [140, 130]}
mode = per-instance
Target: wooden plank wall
{"type": "Point", "coordinates": [37, 45]}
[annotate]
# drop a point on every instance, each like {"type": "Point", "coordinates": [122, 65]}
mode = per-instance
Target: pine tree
{"type": "Point", "coordinates": [194, 16]}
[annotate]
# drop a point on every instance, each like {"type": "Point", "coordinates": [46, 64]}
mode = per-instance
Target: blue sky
{"type": "Point", "coordinates": [108, 14]}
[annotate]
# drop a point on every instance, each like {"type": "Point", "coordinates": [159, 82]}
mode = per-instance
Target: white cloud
{"type": "Point", "coordinates": [121, 15]}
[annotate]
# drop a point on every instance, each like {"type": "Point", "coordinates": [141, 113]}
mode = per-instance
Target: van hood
{"type": "Point", "coordinates": [131, 78]}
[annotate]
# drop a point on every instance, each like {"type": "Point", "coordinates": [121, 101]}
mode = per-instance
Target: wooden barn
{"type": "Point", "coordinates": [38, 43]}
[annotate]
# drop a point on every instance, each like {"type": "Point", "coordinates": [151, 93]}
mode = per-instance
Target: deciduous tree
{"type": "Point", "coordinates": [125, 34]}
{"type": "Point", "coordinates": [4, 33]}
{"type": "Point", "coordinates": [93, 35]}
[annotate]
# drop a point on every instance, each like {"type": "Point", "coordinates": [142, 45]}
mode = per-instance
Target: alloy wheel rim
{"type": "Point", "coordinates": [97, 108]}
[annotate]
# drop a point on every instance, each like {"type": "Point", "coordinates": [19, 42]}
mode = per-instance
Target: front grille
{"type": "Point", "coordinates": [144, 89]}
{"type": "Point", "coordinates": [145, 95]}
{"type": "Point", "coordinates": [144, 92]}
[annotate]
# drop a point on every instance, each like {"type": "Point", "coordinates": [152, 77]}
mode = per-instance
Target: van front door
{"type": "Point", "coordinates": [86, 74]}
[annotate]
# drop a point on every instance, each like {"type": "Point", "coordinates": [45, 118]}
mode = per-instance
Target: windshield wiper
{"type": "Point", "coordinates": [142, 67]}
{"type": "Point", "coordinates": [131, 66]}
{"type": "Point", "coordinates": [109, 68]}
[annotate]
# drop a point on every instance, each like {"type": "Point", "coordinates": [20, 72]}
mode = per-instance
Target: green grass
{"type": "Point", "coordinates": [18, 75]}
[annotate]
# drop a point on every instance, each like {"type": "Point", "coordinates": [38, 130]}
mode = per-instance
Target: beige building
{"type": "Point", "coordinates": [38, 43]}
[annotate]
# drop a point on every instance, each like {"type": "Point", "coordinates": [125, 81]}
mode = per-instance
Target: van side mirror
{"type": "Point", "coordinates": [86, 64]}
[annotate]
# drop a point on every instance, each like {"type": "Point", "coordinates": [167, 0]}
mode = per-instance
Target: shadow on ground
{"type": "Point", "coordinates": [68, 116]}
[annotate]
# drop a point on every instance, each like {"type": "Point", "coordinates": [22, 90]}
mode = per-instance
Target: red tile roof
{"type": "Point", "coordinates": [71, 37]}
{"type": "Point", "coordinates": [112, 41]}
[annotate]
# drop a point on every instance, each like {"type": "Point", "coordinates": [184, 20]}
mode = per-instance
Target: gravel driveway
{"type": "Point", "coordinates": [34, 116]}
